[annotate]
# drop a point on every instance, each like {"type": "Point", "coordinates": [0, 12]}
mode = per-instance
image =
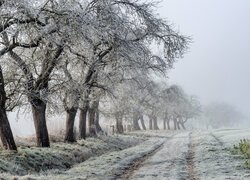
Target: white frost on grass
{"type": "Point", "coordinates": [213, 159]}
{"type": "Point", "coordinates": [60, 157]}
{"type": "Point", "coordinates": [230, 137]}
{"type": "Point", "coordinates": [107, 166]}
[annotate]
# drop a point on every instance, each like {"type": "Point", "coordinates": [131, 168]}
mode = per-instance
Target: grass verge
{"type": "Point", "coordinates": [61, 156]}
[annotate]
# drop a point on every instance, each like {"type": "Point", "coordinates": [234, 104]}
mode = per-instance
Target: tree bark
{"type": "Point", "coordinates": [175, 124]}
{"type": "Point", "coordinates": [168, 121]}
{"type": "Point", "coordinates": [155, 123]}
{"type": "Point", "coordinates": [142, 122]}
{"type": "Point", "coordinates": [5, 132]}
{"type": "Point", "coordinates": [178, 124]}
{"type": "Point", "coordinates": [135, 122]}
{"type": "Point", "coordinates": [97, 124]}
{"type": "Point", "coordinates": [82, 122]}
{"type": "Point", "coordinates": [119, 124]}
{"type": "Point", "coordinates": [70, 120]}
{"type": "Point", "coordinates": [39, 117]}
{"type": "Point", "coordinates": [5, 129]}
{"type": "Point", "coordinates": [92, 126]}
{"type": "Point", "coordinates": [183, 126]}
{"type": "Point", "coordinates": [164, 124]}
{"type": "Point", "coordinates": [150, 123]}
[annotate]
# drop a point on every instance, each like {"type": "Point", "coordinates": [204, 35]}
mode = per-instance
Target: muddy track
{"type": "Point", "coordinates": [139, 162]}
{"type": "Point", "coordinates": [190, 159]}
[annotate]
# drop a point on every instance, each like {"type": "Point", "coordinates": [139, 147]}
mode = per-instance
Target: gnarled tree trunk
{"type": "Point", "coordinates": [70, 120]}
{"type": "Point", "coordinates": [39, 117]}
{"type": "Point", "coordinates": [5, 129]}
{"type": "Point", "coordinates": [82, 122]}
{"type": "Point", "coordinates": [38, 106]}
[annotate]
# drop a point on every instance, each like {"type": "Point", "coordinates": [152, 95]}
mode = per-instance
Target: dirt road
{"type": "Point", "coordinates": [172, 161]}
{"type": "Point", "coordinates": [173, 155]}
{"type": "Point", "coordinates": [195, 155]}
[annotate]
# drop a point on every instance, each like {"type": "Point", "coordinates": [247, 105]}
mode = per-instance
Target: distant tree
{"type": "Point", "coordinates": [179, 107]}
{"type": "Point", "coordinates": [219, 115]}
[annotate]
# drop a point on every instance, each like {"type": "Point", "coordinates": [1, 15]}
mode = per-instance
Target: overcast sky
{"type": "Point", "coordinates": [217, 66]}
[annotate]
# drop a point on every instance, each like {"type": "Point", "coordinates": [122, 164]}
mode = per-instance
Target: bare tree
{"type": "Point", "coordinates": [76, 49]}
{"type": "Point", "coordinates": [5, 129]}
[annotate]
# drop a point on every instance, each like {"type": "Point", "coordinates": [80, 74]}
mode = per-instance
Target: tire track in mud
{"type": "Point", "coordinates": [139, 162]}
{"type": "Point", "coordinates": [190, 159]}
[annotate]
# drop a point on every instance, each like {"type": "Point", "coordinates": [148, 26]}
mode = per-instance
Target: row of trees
{"type": "Point", "coordinates": [220, 115]}
{"type": "Point", "coordinates": [65, 56]}
{"type": "Point", "coordinates": [154, 101]}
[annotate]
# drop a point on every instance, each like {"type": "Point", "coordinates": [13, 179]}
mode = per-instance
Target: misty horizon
{"type": "Point", "coordinates": [216, 66]}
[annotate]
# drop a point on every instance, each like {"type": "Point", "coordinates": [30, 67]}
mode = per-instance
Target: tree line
{"type": "Point", "coordinates": [68, 56]}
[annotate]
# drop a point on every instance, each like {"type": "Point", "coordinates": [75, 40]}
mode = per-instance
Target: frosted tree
{"type": "Point", "coordinates": [82, 41]}
{"type": "Point", "coordinates": [178, 106]}
{"type": "Point", "coordinates": [32, 39]}
{"type": "Point", "coordinates": [5, 129]}
{"type": "Point", "coordinates": [119, 39]}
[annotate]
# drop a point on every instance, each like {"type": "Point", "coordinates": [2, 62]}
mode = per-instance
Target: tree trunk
{"type": "Point", "coordinates": [3, 140]}
{"type": "Point", "coordinates": [97, 124]}
{"type": "Point", "coordinates": [5, 129]}
{"type": "Point", "coordinates": [39, 117]}
{"type": "Point", "coordinates": [38, 106]}
{"type": "Point", "coordinates": [182, 125]}
{"type": "Point", "coordinates": [150, 123]}
{"type": "Point", "coordinates": [135, 122]}
{"type": "Point", "coordinates": [164, 124]}
{"type": "Point", "coordinates": [119, 124]}
{"type": "Point", "coordinates": [168, 121]}
{"type": "Point", "coordinates": [70, 120]}
{"type": "Point", "coordinates": [142, 122]}
{"type": "Point", "coordinates": [155, 123]}
{"type": "Point", "coordinates": [178, 124]}
{"type": "Point", "coordinates": [175, 124]}
{"type": "Point", "coordinates": [5, 132]}
{"type": "Point", "coordinates": [82, 122]}
{"type": "Point", "coordinates": [92, 127]}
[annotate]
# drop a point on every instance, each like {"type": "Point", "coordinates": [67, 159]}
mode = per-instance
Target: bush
{"type": "Point", "coordinates": [243, 148]}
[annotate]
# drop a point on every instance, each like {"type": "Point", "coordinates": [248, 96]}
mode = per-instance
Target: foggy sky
{"type": "Point", "coordinates": [217, 66]}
